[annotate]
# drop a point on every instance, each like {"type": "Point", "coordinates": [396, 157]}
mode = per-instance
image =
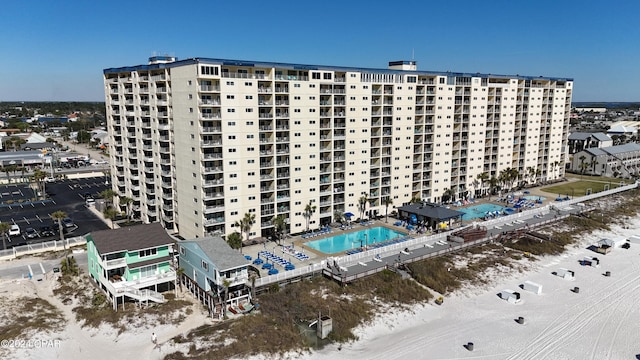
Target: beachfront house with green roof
{"type": "Point", "coordinates": [132, 263]}
{"type": "Point", "coordinates": [210, 267]}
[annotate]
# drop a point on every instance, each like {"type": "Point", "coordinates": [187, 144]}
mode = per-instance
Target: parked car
{"type": "Point", "coordinates": [15, 230]}
{"type": "Point", "coordinates": [67, 223]}
{"type": "Point", "coordinates": [47, 231]}
{"type": "Point", "coordinates": [31, 233]}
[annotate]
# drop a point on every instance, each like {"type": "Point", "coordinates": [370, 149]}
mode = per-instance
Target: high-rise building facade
{"type": "Point", "coordinates": [199, 143]}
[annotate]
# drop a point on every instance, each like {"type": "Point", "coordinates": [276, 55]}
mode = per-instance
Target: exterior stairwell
{"type": "Point", "coordinates": [143, 295]}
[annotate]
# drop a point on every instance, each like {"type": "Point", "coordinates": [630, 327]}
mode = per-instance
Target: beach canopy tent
{"type": "Point", "coordinates": [533, 287]}
{"type": "Point", "coordinates": [634, 239]}
{"type": "Point", "coordinates": [510, 295]}
{"type": "Point", "coordinates": [429, 214]}
{"type": "Point", "coordinates": [565, 273]}
{"type": "Point", "coordinates": [615, 242]}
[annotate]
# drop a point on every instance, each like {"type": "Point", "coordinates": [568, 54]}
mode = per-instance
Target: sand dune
{"type": "Point", "coordinates": [599, 322]}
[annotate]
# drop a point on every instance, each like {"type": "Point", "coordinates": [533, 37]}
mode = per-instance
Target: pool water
{"type": "Point", "coordinates": [346, 241]}
{"type": "Point", "coordinates": [479, 211]}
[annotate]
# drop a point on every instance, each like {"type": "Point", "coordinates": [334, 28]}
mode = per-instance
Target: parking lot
{"type": "Point", "coordinates": [17, 207]}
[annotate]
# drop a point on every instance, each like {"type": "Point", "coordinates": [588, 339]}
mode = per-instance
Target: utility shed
{"type": "Point", "coordinates": [635, 239]}
{"type": "Point", "coordinates": [591, 261]}
{"type": "Point", "coordinates": [566, 273]}
{"type": "Point", "coordinates": [510, 296]}
{"type": "Point", "coordinates": [533, 287]}
{"type": "Point", "coordinates": [613, 243]}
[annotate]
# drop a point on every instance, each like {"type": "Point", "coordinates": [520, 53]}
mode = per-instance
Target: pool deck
{"type": "Point", "coordinates": [315, 256]}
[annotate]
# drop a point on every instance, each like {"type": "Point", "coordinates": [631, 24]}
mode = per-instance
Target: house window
{"type": "Point", "coordinates": [147, 252]}
{"type": "Point", "coordinates": [148, 271]}
{"type": "Point", "coordinates": [183, 251]}
{"type": "Point", "coordinates": [205, 266]}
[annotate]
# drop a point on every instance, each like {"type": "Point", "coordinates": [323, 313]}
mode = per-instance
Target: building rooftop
{"type": "Point", "coordinates": [263, 64]}
{"type": "Point", "coordinates": [432, 211]}
{"type": "Point", "coordinates": [130, 238]}
{"type": "Point", "coordinates": [218, 251]}
{"type": "Point", "coordinates": [585, 135]}
{"type": "Point", "coordinates": [619, 149]}
{"type": "Point", "coordinates": [596, 151]}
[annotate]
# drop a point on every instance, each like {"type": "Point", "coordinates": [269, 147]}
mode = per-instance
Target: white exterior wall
{"type": "Point", "coordinates": [193, 153]}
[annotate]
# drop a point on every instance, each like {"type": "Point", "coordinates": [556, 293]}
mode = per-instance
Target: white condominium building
{"type": "Point", "coordinates": [199, 143]}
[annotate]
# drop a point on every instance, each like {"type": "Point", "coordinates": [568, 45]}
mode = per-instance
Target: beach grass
{"type": "Point", "coordinates": [276, 328]}
{"type": "Point", "coordinates": [22, 317]}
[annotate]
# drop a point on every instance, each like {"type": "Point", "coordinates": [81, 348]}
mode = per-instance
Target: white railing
{"type": "Point", "coordinates": [289, 274]}
{"type": "Point", "coordinates": [349, 260]}
{"type": "Point", "coordinates": [145, 281]}
{"type": "Point", "coordinates": [110, 264]}
{"type": "Point", "coordinates": [141, 295]}
{"type": "Point", "coordinates": [30, 249]}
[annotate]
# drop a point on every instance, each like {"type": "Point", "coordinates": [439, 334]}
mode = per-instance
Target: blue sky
{"type": "Point", "coordinates": [56, 50]}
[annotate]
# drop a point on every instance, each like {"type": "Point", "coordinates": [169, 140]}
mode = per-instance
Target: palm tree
{"type": "Point", "coordinates": [531, 173]}
{"type": "Point", "coordinates": [449, 194]}
{"type": "Point", "coordinates": [8, 144]}
{"type": "Point", "coordinates": [110, 213]}
{"type": "Point", "coordinates": [503, 178]}
{"type": "Point", "coordinates": [245, 224]}
{"type": "Point", "coordinates": [58, 216]}
{"type": "Point", "coordinates": [538, 174]}
{"type": "Point", "coordinates": [362, 205]}
{"type": "Point", "coordinates": [108, 195]}
{"type": "Point", "coordinates": [235, 240]}
{"type": "Point", "coordinates": [126, 201]}
{"type": "Point", "coordinates": [280, 227]}
{"type": "Point", "coordinates": [514, 176]}
{"type": "Point", "coordinates": [475, 183]}
{"type": "Point", "coordinates": [4, 231]}
{"type": "Point", "coordinates": [38, 177]}
{"type": "Point", "coordinates": [493, 184]}
{"type": "Point", "coordinates": [179, 273]}
{"type": "Point", "coordinates": [225, 283]}
{"type": "Point", "coordinates": [338, 216]}
{"type": "Point", "coordinates": [583, 166]}
{"type": "Point", "coordinates": [309, 209]}
{"type": "Point", "coordinates": [387, 202]}
{"type": "Point", "coordinates": [483, 177]}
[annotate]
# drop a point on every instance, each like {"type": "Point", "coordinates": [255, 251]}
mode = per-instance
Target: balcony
{"type": "Point", "coordinates": [115, 263]}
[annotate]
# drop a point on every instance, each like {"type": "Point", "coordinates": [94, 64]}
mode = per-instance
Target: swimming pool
{"type": "Point", "coordinates": [346, 241]}
{"type": "Point", "coordinates": [479, 211]}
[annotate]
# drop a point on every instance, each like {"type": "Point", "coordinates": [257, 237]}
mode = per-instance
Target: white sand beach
{"type": "Point", "coordinates": [599, 322]}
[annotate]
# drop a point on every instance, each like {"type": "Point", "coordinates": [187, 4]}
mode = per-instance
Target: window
{"type": "Point", "coordinates": [205, 266]}
{"type": "Point", "coordinates": [147, 252]}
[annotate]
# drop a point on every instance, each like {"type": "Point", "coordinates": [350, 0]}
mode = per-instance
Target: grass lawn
{"type": "Point", "coordinates": [579, 188]}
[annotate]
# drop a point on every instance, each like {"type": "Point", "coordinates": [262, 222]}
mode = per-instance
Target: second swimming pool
{"type": "Point", "coordinates": [479, 211]}
{"type": "Point", "coordinates": [346, 241]}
